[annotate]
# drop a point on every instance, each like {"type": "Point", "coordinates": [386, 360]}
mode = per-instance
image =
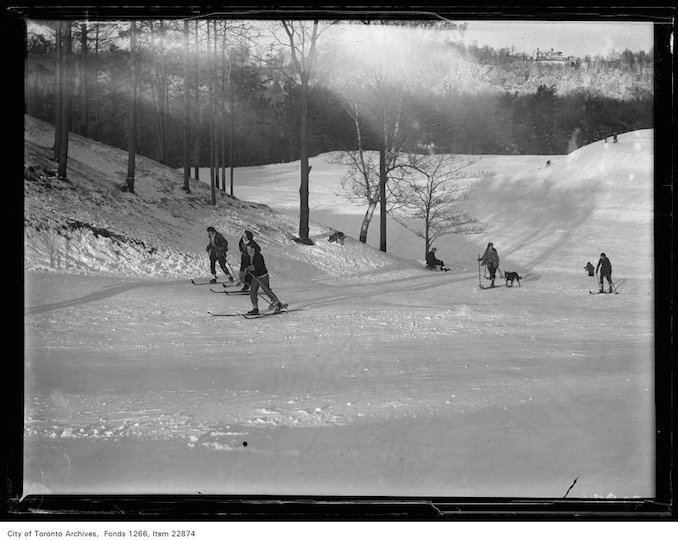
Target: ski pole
{"type": "Point", "coordinates": [480, 282]}
{"type": "Point", "coordinates": [264, 288]}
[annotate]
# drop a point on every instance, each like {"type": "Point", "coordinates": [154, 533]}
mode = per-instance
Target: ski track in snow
{"type": "Point", "coordinates": [119, 346]}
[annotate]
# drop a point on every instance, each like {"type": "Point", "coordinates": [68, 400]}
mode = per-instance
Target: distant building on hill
{"type": "Point", "coordinates": [553, 56]}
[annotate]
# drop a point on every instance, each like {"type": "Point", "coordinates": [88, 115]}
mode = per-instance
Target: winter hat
{"type": "Point", "coordinates": [434, 249]}
{"type": "Point", "coordinates": [602, 255]}
{"type": "Point", "coordinates": [211, 229]}
{"type": "Point", "coordinates": [490, 244]}
{"type": "Point", "coordinates": [249, 235]}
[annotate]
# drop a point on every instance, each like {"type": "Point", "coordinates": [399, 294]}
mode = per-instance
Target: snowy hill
{"type": "Point", "coordinates": [386, 379]}
{"type": "Point", "coordinates": [88, 225]}
{"type": "Point", "coordinates": [599, 198]}
{"type": "Point", "coordinates": [541, 219]}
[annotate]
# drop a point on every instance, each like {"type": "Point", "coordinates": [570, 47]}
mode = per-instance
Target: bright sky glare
{"type": "Point", "coordinates": [571, 38]}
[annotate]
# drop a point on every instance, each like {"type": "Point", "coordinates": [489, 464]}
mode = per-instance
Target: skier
{"type": "Point", "coordinates": [432, 262]}
{"type": "Point", "coordinates": [589, 268]}
{"type": "Point", "coordinates": [491, 260]}
{"type": "Point", "coordinates": [217, 249]}
{"type": "Point", "coordinates": [259, 273]}
{"type": "Point", "coordinates": [605, 267]}
{"type": "Point", "coordinates": [244, 277]}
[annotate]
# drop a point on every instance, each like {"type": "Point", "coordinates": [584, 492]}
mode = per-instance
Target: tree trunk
{"type": "Point", "coordinates": [382, 199]}
{"type": "Point", "coordinates": [303, 188]}
{"type": "Point", "coordinates": [210, 83]}
{"type": "Point", "coordinates": [59, 91]}
{"type": "Point", "coordinates": [230, 84]}
{"type": "Point", "coordinates": [196, 146]}
{"type": "Point", "coordinates": [372, 205]}
{"type": "Point", "coordinates": [84, 112]}
{"type": "Point", "coordinates": [132, 142]}
{"type": "Point", "coordinates": [382, 180]}
{"type": "Point", "coordinates": [187, 112]}
{"type": "Point", "coordinates": [164, 95]}
{"type": "Point", "coordinates": [65, 125]}
{"type": "Point", "coordinates": [96, 84]}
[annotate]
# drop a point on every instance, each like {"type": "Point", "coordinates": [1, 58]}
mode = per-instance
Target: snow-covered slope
{"type": "Point", "coordinates": [89, 225]}
{"type": "Point", "coordinates": [386, 379]}
{"type": "Point", "coordinates": [541, 219]}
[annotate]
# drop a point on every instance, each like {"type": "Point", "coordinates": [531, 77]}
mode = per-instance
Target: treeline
{"type": "Point", "coordinates": [626, 60]}
{"type": "Point", "coordinates": [240, 102]}
{"type": "Point", "coordinates": [539, 123]}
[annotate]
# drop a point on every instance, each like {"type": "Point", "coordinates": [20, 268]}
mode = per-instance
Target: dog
{"type": "Point", "coordinates": [337, 237]}
{"type": "Point", "coordinates": [510, 277]}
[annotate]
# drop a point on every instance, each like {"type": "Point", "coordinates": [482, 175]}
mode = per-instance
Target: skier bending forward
{"type": "Point", "coordinates": [257, 269]}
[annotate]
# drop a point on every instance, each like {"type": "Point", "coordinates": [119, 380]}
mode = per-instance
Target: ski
{"type": "Point", "coordinates": [605, 292]}
{"type": "Point", "coordinates": [264, 314]}
{"type": "Point", "coordinates": [225, 283]}
{"type": "Point", "coordinates": [237, 293]}
{"type": "Point", "coordinates": [251, 315]}
{"type": "Point", "coordinates": [483, 287]}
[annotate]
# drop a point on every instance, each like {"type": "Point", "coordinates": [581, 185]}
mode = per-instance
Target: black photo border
{"type": "Point", "coordinates": [313, 506]}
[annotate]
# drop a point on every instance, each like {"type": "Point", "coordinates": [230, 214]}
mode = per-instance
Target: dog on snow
{"type": "Point", "coordinates": [510, 277]}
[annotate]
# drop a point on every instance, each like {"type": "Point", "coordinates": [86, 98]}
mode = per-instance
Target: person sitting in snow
{"type": "Point", "coordinates": [244, 277]}
{"type": "Point", "coordinates": [605, 267]}
{"type": "Point", "coordinates": [491, 260]}
{"type": "Point", "coordinates": [217, 249]}
{"type": "Point", "coordinates": [432, 262]}
{"type": "Point", "coordinates": [259, 272]}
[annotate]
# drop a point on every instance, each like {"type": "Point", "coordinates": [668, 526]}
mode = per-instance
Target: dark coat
{"type": "Point", "coordinates": [244, 257]}
{"type": "Point", "coordinates": [490, 257]}
{"type": "Point", "coordinates": [605, 266]}
{"type": "Point", "coordinates": [257, 265]}
{"type": "Point", "coordinates": [218, 247]}
{"type": "Point", "coordinates": [431, 260]}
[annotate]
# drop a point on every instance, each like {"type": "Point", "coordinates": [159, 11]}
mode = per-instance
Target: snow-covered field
{"type": "Point", "coordinates": [387, 379]}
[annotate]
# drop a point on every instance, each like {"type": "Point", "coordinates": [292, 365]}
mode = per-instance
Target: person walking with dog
{"type": "Point", "coordinates": [490, 260]}
{"type": "Point", "coordinates": [217, 249]}
{"type": "Point", "coordinates": [244, 277]}
{"type": "Point", "coordinates": [257, 269]}
{"type": "Point", "coordinates": [432, 262]}
{"type": "Point", "coordinates": [605, 267]}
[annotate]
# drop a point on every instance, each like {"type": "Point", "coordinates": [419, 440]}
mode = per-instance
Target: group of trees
{"type": "Point", "coordinates": [227, 93]}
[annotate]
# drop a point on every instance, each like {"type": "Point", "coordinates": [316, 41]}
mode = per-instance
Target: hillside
{"type": "Point", "coordinates": [89, 225]}
{"type": "Point", "coordinates": [383, 379]}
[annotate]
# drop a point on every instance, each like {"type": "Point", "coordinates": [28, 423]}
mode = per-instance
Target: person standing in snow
{"type": "Point", "coordinates": [589, 268]}
{"type": "Point", "coordinates": [432, 262]}
{"type": "Point", "coordinates": [217, 249]}
{"type": "Point", "coordinates": [605, 267]}
{"type": "Point", "coordinates": [244, 277]}
{"type": "Point", "coordinates": [491, 260]}
{"type": "Point", "coordinates": [259, 272]}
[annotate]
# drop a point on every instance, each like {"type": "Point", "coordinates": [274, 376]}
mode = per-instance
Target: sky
{"type": "Point", "coordinates": [571, 38]}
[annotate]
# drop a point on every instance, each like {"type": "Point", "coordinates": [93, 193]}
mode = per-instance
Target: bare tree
{"type": "Point", "coordinates": [132, 135]}
{"type": "Point", "coordinates": [84, 80]}
{"type": "Point", "coordinates": [59, 91]}
{"type": "Point", "coordinates": [303, 38]}
{"type": "Point", "coordinates": [399, 62]}
{"type": "Point", "coordinates": [361, 182]}
{"type": "Point", "coordinates": [187, 110]}
{"type": "Point", "coordinates": [66, 84]}
{"type": "Point", "coordinates": [430, 188]}
{"type": "Point", "coordinates": [210, 85]}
